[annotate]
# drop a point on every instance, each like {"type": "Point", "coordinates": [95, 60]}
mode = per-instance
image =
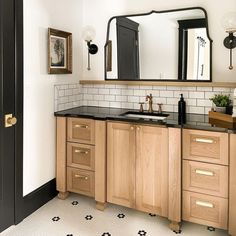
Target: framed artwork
{"type": "Point", "coordinates": [59, 52]}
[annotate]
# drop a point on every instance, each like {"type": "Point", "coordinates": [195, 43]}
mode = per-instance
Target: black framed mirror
{"type": "Point", "coordinates": [169, 45]}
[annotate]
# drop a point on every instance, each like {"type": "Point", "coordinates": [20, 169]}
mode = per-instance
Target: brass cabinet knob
{"type": "Point", "coordinates": [132, 128]}
{"type": "Point", "coordinates": [138, 128]}
{"type": "Point", "coordinates": [10, 120]}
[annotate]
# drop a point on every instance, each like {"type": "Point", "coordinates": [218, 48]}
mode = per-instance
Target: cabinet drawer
{"type": "Point", "coordinates": [80, 130]}
{"type": "Point", "coordinates": [80, 181]}
{"type": "Point", "coordinates": [205, 146]}
{"type": "Point", "coordinates": [80, 156]}
{"type": "Point", "coordinates": [205, 209]}
{"type": "Point", "coordinates": [205, 178]}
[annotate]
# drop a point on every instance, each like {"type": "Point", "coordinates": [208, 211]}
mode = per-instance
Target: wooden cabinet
{"type": "Point", "coordinates": [205, 209]}
{"type": "Point", "coordinates": [81, 158]}
{"type": "Point", "coordinates": [152, 169]}
{"type": "Point", "coordinates": [121, 164]}
{"type": "Point", "coordinates": [205, 178]}
{"type": "Point", "coordinates": [137, 166]}
{"type": "Point", "coordinates": [206, 146]}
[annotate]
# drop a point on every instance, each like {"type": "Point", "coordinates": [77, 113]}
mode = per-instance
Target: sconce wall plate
{"type": "Point", "coordinates": [230, 41]}
{"type": "Point", "coordinates": [93, 48]}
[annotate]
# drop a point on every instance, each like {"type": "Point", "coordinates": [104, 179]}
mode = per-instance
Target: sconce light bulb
{"type": "Point", "coordinates": [88, 33]}
{"type": "Point", "coordinates": [229, 22]}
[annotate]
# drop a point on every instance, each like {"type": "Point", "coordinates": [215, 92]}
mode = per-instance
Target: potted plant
{"type": "Point", "coordinates": [221, 102]}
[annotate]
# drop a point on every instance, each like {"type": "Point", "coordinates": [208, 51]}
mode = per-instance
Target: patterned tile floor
{"type": "Point", "coordinates": [77, 216]}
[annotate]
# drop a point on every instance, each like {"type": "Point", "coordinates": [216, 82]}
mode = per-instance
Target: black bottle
{"type": "Point", "coordinates": [182, 110]}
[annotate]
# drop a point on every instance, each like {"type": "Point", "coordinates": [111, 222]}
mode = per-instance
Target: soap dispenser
{"type": "Point", "coordinates": [182, 110]}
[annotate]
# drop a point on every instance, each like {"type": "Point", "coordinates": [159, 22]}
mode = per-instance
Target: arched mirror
{"type": "Point", "coordinates": [170, 45]}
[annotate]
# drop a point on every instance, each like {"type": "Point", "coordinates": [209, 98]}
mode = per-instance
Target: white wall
{"type": "Point", "coordinates": [98, 13]}
{"type": "Point", "coordinates": [39, 121]}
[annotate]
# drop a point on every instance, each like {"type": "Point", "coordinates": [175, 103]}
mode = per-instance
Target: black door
{"type": "Point", "coordinates": [127, 49]}
{"type": "Point", "coordinates": [7, 106]}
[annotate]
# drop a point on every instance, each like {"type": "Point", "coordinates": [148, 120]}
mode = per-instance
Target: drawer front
{"type": "Point", "coordinates": [205, 178]}
{"type": "Point", "coordinates": [80, 156]}
{"type": "Point", "coordinates": [80, 181]}
{"type": "Point", "coordinates": [205, 209]}
{"type": "Point", "coordinates": [205, 146]}
{"type": "Point", "coordinates": [81, 130]}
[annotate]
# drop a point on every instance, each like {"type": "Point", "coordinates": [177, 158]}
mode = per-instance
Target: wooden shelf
{"type": "Point", "coordinates": [160, 83]}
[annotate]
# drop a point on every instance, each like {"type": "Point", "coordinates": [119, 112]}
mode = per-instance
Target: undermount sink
{"type": "Point", "coordinates": [151, 116]}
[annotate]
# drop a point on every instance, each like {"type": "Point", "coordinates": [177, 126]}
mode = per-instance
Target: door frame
{"type": "Point", "coordinates": [19, 96]}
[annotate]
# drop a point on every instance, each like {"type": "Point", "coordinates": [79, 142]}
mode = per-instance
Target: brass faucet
{"type": "Point", "coordinates": [149, 99]}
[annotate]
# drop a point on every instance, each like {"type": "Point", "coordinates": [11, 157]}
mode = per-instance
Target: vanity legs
{"type": "Point", "coordinates": [100, 206]}
{"type": "Point", "coordinates": [63, 195]}
{"type": "Point", "coordinates": [175, 226]}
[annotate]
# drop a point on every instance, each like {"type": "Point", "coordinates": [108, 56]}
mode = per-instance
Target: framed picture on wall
{"type": "Point", "coordinates": [59, 52]}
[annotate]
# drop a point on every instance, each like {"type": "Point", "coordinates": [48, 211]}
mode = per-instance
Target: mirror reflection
{"type": "Point", "coordinates": [159, 46]}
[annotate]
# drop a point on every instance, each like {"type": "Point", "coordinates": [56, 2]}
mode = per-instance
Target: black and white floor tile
{"type": "Point", "coordinates": [77, 216]}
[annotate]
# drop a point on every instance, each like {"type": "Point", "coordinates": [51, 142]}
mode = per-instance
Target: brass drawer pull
{"type": "Point", "coordinates": [204, 204]}
{"type": "Point", "coordinates": [82, 126]}
{"type": "Point", "coordinates": [81, 151]}
{"type": "Point", "coordinates": [203, 140]}
{"type": "Point", "coordinates": [81, 177]}
{"type": "Point", "coordinates": [204, 172]}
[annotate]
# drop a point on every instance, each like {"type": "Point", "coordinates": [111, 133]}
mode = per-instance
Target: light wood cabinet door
{"type": "Point", "coordinates": [205, 178]}
{"type": "Point", "coordinates": [205, 209]}
{"type": "Point", "coordinates": [121, 164]}
{"type": "Point", "coordinates": [152, 169]}
{"type": "Point", "coordinates": [81, 130]}
{"type": "Point", "coordinates": [206, 146]}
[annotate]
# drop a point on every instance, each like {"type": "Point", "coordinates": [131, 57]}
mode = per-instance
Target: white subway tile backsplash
{"type": "Point", "coordinates": [177, 94]}
{"type": "Point", "coordinates": [196, 95]}
{"type": "Point", "coordinates": [209, 95]}
{"type": "Point", "coordinates": [104, 91]}
{"type": "Point", "coordinates": [127, 92]}
{"type": "Point", "coordinates": [124, 96]}
{"type": "Point", "coordinates": [140, 92]}
{"type": "Point", "coordinates": [188, 88]}
{"type": "Point", "coordinates": [196, 110]}
{"type": "Point", "coordinates": [68, 92]}
{"type": "Point", "coordinates": [115, 104]}
{"type": "Point", "coordinates": [204, 103]}
{"type": "Point", "coordinates": [115, 91]}
{"type": "Point", "coordinates": [93, 103]}
{"type": "Point", "coordinates": [133, 99]}
{"type": "Point", "coordinates": [93, 90]}
{"type": "Point", "coordinates": [225, 90]}
{"type": "Point", "coordinates": [205, 89]}
{"type": "Point", "coordinates": [88, 97]}
{"type": "Point", "coordinates": [172, 101]}
{"type": "Point", "coordinates": [104, 103]}
{"type": "Point", "coordinates": [110, 98]}
{"type": "Point", "coordinates": [121, 98]}
{"type": "Point", "coordinates": [167, 94]}
{"type": "Point", "coordinates": [98, 97]}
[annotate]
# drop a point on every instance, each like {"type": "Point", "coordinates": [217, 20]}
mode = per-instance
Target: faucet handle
{"type": "Point", "coordinates": [160, 107]}
{"type": "Point", "coordinates": [141, 106]}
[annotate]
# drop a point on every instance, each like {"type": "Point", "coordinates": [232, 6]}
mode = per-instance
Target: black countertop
{"type": "Point", "coordinates": [193, 121]}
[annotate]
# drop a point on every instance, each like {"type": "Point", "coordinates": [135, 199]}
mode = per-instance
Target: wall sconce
{"type": "Point", "coordinates": [88, 35]}
{"type": "Point", "coordinates": [229, 24]}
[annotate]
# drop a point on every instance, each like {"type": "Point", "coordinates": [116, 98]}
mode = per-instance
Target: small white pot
{"type": "Point", "coordinates": [220, 109]}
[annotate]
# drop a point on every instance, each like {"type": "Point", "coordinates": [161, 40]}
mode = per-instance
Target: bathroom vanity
{"type": "Point", "coordinates": [179, 172]}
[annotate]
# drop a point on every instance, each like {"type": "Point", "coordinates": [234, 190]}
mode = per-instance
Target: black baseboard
{"type": "Point", "coordinates": [39, 197]}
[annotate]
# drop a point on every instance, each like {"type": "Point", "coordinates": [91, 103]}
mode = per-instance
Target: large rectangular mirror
{"type": "Point", "coordinates": [166, 45]}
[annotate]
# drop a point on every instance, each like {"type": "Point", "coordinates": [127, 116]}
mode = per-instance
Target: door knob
{"type": "Point", "coordinates": [10, 120]}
